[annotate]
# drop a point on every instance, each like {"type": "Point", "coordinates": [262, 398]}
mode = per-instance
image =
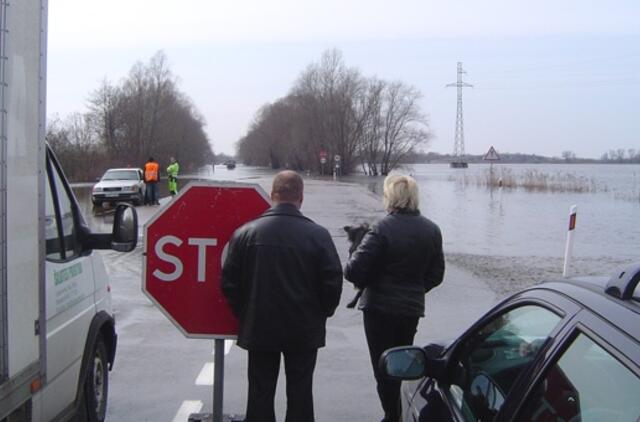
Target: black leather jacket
{"type": "Point", "coordinates": [282, 278]}
{"type": "Point", "coordinates": [399, 260]}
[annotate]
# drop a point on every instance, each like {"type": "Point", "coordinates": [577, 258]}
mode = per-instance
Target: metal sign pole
{"type": "Point", "coordinates": [218, 380]}
{"type": "Point", "coordinates": [491, 180]}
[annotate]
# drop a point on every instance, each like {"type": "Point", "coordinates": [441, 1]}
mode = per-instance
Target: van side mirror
{"type": "Point", "coordinates": [125, 228]}
{"type": "Point", "coordinates": [123, 236]}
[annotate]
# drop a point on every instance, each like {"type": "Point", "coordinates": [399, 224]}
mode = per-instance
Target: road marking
{"type": "Point", "coordinates": [186, 408]}
{"type": "Point", "coordinates": [206, 375]}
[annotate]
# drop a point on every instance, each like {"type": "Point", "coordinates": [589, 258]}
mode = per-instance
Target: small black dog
{"type": "Point", "coordinates": [354, 236]}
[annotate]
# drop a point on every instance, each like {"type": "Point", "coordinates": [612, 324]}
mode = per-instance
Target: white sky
{"type": "Point", "coordinates": [548, 75]}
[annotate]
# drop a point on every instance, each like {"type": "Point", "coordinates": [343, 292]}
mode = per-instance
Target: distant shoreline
{"type": "Point", "coordinates": [515, 158]}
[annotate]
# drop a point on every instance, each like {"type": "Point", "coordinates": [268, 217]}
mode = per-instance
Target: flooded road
{"type": "Point", "coordinates": [159, 375]}
{"type": "Point", "coordinates": [100, 219]}
{"type": "Point", "coordinates": [500, 222]}
{"type": "Point", "coordinates": [495, 242]}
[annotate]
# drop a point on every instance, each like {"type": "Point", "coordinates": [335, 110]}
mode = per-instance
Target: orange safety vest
{"type": "Point", "coordinates": [151, 172]}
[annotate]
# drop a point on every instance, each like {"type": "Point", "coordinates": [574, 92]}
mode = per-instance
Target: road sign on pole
{"type": "Point", "coordinates": [184, 247]}
{"type": "Point", "coordinates": [183, 251]}
{"type": "Point", "coordinates": [491, 155]}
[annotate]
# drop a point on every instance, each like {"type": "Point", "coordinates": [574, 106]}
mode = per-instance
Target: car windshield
{"type": "Point", "coordinates": [121, 175]}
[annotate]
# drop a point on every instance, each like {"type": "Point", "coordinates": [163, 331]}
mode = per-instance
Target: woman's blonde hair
{"type": "Point", "coordinates": [400, 193]}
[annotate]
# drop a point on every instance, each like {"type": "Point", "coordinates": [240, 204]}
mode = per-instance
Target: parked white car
{"type": "Point", "coordinates": [123, 184]}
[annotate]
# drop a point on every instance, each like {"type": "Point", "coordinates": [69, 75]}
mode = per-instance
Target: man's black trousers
{"type": "Point", "coordinates": [384, 331]}
{"type": "Point", "coordinates": [263, 377]}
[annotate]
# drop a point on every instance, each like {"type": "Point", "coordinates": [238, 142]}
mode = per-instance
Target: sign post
{"type": "Point", "coordinates": [492, 156]}
{"type": "Point", "coordinates": [184, 247]}
{"type": "Point", "coordinates": [323, 160]}
{"type": "Point", "coordinates": [336, 166]}
{"type": "Point", "coordinates": [568, 249]}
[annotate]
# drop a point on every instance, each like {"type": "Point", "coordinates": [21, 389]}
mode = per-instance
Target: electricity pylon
{"type": "Point", "coordinates": [458, 146]}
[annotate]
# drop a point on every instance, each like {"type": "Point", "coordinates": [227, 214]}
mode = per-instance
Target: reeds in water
{"type": "Point", "coordinates": [532, 180]}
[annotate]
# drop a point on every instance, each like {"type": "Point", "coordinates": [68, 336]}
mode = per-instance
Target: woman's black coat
{"type": "Point", "coordinates": [399, 260]}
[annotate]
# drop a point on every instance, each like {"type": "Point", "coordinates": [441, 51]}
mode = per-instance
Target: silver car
{"type": "Point", "coordinates": [124, 184]}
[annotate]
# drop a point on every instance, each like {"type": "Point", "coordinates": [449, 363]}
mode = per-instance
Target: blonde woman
{"type": "Point", "coordinates": [398, 261]}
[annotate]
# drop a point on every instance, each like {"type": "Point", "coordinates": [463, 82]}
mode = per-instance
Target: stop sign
{"type": "Point", "coordinates": [183, 252]}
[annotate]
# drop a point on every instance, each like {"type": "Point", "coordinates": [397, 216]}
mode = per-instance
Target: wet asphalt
{"type": "Point", "coordinates": [159, 375]}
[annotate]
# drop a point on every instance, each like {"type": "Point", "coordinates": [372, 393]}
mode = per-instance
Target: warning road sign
{"type": "Point", "coordinates": [491, 155]}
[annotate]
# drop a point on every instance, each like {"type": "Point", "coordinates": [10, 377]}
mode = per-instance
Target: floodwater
{"type": "Point", "coordinates": [503, 221]}
{"type": "Point", "coordinates": [521, 222]}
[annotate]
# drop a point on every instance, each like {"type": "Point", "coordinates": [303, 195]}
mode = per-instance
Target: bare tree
{"type": "Point", "coordinates": [105, 110]}
{"type": "Point", "coordinates": [75, 142]}
{"type": "Point", "coordinates": [404, 127]}
{"type": "Point", "coordinates": [326, 92]}
{"type": "Point", "coordinates": [332, 107]}
{"type": "Point", "coordinates": [143, 115]}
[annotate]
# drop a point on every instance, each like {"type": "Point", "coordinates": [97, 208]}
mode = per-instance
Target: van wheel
{"type": "Point", "coordinates": [96, 385]}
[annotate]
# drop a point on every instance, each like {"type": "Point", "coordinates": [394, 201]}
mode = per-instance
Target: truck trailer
{"type": "Point", "coordinates": [57, 329]}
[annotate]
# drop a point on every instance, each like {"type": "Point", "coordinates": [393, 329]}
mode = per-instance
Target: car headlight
{"type": "Point", "coordinates": [134, 188]}
{"type": "Point", "coordinates": [97, 189]}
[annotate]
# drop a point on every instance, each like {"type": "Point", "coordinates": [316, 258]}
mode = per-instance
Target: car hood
{"type": "Point", "coordinates": [116, 183]}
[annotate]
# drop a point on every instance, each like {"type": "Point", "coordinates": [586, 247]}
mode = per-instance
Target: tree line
{"type": "Point", "coordinates": [621, 155]}
{"type": "Point", "coordinates": [144, 115]}
{"type": "Point", "coordinates": [368, 122]}
{"type": "Point", "coordinates": [618, 156]}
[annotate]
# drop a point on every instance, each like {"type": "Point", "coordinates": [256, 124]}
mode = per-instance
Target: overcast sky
{"type": "Point", "coordinates": [548, 75]}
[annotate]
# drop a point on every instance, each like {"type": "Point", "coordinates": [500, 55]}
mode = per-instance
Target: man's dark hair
{"type": "Point", "coordinates": [288, 186]}
{"type": "Point", "coordinates": [150, 159]}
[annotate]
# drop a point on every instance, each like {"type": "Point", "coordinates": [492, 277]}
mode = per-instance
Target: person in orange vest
{"type": "Point", "coordinates": [151, 170]}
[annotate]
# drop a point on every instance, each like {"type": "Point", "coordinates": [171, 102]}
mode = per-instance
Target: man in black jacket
{"type": "Point", "coordinates": [282, 278]}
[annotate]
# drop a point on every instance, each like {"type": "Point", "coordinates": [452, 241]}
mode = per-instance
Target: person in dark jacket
{"type": "Point", "coordinates": [398, 261]}
{"type": "Point", "coordinates": [282, 278]}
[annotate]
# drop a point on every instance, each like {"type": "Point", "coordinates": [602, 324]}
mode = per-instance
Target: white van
{"type": "Point", "coordinates": [57, 331]}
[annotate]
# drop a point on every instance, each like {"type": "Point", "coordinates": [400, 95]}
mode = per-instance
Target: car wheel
{"type": "Point", "coordinates": [96, 385]}
{"type": "Point", "coordinates": [138, 201]}
{"type": "Point", "coordinates": [97, 203]}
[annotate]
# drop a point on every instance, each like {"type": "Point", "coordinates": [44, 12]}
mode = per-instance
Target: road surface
{"type": "Point", "coordinates": [161, 376]}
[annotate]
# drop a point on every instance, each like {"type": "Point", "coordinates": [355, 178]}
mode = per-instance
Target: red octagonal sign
{"type": "Point", "coordinates": [184, 244]}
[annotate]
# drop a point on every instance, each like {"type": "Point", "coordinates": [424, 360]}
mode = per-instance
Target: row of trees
{"type": "Point", "coordinates": [621, 155]}
{"type": "Point", "coordinates": [144, 115]}
{"type": "Point", "coordinates": [333, 108]}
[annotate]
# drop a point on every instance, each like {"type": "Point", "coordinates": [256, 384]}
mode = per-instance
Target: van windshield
{"type": "Point", "coordinates": [121, 175]}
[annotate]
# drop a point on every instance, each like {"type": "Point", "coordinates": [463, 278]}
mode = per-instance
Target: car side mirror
{"type": "Point", "coordinates": [403, 363]}
{"type": "Point", "coordinates": [125, 228]}
{"type": "Point", "coordinates": [412, 362]}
